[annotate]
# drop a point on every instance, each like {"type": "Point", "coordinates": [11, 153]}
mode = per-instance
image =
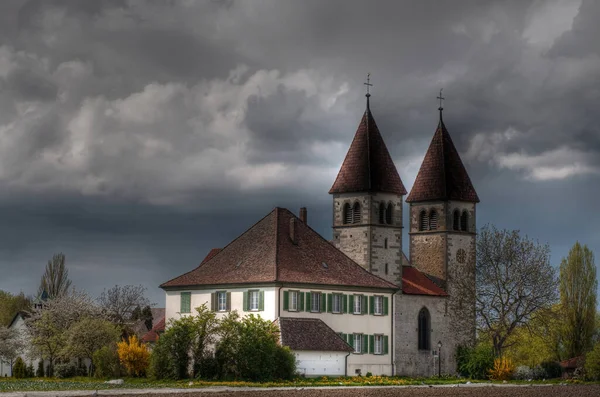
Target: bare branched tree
{"type": "Point", "coordinates": [55, 280]}
{"type": "Point", "coordinates": [120, 302]}
{"type": "Point", "coordinates": [514, 282]}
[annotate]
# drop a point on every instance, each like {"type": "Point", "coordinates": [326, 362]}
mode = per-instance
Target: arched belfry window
{"type": "Point", "coordinates": [389, 213]}
{"type": "Point", "coordinates": [464, 221]}
{"type": "Point", "coordinates": [381, 213]}
{"type": "Point", "coordinates": [433, 220]}
{"type": "Point", "coordinates": [356, 213]}
{"type": "Point", "coordinates": [347, 214]}
{"type": "Point", "coordinates": [456, 220]}
{"type": "Point", "coordinates": [423, 220]}
{"type": "Point", "coordinates": [424, 330]}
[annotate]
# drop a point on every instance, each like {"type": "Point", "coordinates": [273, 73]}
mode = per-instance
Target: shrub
{"type": "Point", "coordinates": [19, 370]}
{"type": "Point", "coordinates": [206, 368]}
{"type": "Point", "coordinates": [592, 363]}
{"type": "Point", "coordinates": [476, 362]}
{"type": "Point", "coordinates": [552, 368]}
{"type": "Point", "coordinates": [162, 366]}
{"type": "Point", "coordinates": [40, 369]}
{"type": "Point", "coordinates": [106, 362]}
{"type": "Point", "coordinates": [503, 369]}
{"type": "Point", "coordinates": [538, 372]}
{"type": "Point", "coordinates": [29, 372]}
{"type": "Point", "coordinates": [67, 370]}
{"type": "Point", "coordinates": [523, 372]}
{"type": "Point", "coordinates": [134, 356]}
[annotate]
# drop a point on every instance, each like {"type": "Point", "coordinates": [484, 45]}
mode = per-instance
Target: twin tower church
{"type": "Point", "coordinates": [357, 304]}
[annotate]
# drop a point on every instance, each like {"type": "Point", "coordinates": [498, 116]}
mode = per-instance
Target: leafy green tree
{"type": "Point", "coordinates": [106, 362]}
{"type": "Point", "coordinates": [12, 304]}
{"type": "Point", "coordinates": [88, 335]}
{"type": "Point", "coordinates": [55, 280]}
{"type": "Point", "coordinates": [475, 362]}
{"type": "Point", "coordinates": [40, 369]}
{"type": "Point", "coordinates": [592, 363]}
{"type": "Point", "coordinates": [578, 286]}
{"type": "Point", "coordinates": [19, 369]}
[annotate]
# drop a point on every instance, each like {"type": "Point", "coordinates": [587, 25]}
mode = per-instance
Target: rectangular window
{"type": "Point", "coordinates": [378, 305]}
{"type": "Point", "coordinates": [293, 301]}
{"type": "Point", "coordinates": [336, 306]}
{"type": "Point", "coordinates": [253, 297]}
{"type": "Point", "coordinates": [358, 304]}
{"type": "Point", "coordinates": [378, 344]}
{"type": "Point", "coordinates": [222, 301]}
{"type": "Point", "coordinates": [358, 343]}
{"type": "Point", "coordinates": [186, 302]}
{"type": "Point", "coordinates": [315, 301]}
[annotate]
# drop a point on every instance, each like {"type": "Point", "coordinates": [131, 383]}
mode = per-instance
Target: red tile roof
{"type": "Point", "coordinates": [572, 363]}
{"type": "Point", "coordinates": [368, 166]}
{"type": "Point", "coordinates": [265, 253]}
{"type": "Point", "coordinates": [152, 335]}
{"type": "Point", "coordinates": [211, 253]}
{"type": "Point", "coordinates": [310, 334]}
{"type": "Point", "coordinates": [416, 283]}
{"type": "Point", "coordinates": [442, 175]}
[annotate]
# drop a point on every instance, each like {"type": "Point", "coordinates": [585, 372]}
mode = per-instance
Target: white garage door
{"type": "Point", "coordinates": [311, 363]}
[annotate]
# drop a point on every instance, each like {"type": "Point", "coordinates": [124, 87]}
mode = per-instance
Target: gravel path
{"type": "Point", "coordinates": [393, 391]}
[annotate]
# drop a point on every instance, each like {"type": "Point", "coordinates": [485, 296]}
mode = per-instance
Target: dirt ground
{"type": "Point", "coordinates": [505, 391]}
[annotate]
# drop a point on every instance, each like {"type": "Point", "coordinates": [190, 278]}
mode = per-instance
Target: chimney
{"type": "Point", "coordinates": [303, 214]}
{"type": "Point", "coordinates": [293, 231]}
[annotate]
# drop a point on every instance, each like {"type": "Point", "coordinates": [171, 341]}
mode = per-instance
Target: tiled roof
{"type": "Point", "coordinates": [368, 166]}
{"type": "Point", "coordinates": [416, 283]}
{"type": "Point", "coordinates": [210, 254]}
{"type": "Point", "coordinates": [442, 175]}
{"type": "Point", "coordinates": [310, 334]}
{"type": "Point", "coordinates": [572, 363]}
{"type": "Point", "coordinates": [265, 253]}
{"type": "Point", "coordinates": [152, 335]}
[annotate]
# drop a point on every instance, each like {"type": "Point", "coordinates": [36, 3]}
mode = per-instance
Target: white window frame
{"type": "Point", "coordinates": [221, 301]}
{"type": "Point", "coordinates": [315, 304]}
{"type": "Point", "coordinates": [337, 298]}
{"type": "Point", "coordinates": [378, 305]}
{"type": "Point", "coordinates": [358, 341]}
{"type": "Point", "coordinates": [293, 303]}
{"type": "Point", "coordinates": [357, 304]}
{"type": "Point", "coordinates": [253, 300]}
{"type": "Point", "coordinates": [378, 344]}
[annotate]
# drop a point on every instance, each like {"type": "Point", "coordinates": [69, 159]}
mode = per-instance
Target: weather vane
{"type": "Point", "coordinates": [441, 98]}
{"type": "Point", "coordinates": [368, 84]}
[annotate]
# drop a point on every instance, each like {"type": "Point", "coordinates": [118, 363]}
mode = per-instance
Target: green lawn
{"type": "Point", "coordinates": [82, 383]}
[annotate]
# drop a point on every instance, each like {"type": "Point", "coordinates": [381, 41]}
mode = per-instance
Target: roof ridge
{"type": "Point", "coordinates": [276, 237]}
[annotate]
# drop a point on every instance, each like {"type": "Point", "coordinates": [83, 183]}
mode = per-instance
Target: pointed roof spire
{"type": "Point", "coordinates": [442, 175]}
{"type": "Point", "coordinates": [368, 166]}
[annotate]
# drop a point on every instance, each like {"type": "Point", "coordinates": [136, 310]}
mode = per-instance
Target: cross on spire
{"type": "Point", "coordinates": [441, 98]}
{"type": "Point", "coordinates": [368, 84]}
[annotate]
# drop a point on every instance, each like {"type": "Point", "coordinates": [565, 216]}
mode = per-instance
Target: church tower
{"type": "Point", "coordinates": [442, 217]}
{"type": "Point", "coordinates": [367, 204]}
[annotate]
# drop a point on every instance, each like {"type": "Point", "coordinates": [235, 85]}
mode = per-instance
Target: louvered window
{"type": "Point", "coordinates": [456, 223]}
{"type": "Point", "coordinates": [388, 214]}
{"type": "Point", "coordinates": [356, 213]}
{"type": "Point", "coordinates": [464, 221]}
{"type": "Point", "coordinates": [433, 220]}
{"type": "Point", "coordinates": [423, 221]}
{"type": "Point", "coordinates": [347, 214]}
{"type": "Point", "coordinates": [381, 213]}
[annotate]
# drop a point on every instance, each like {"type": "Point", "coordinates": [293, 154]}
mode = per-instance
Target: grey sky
{"type": "Point", "coordinates": [137, 135]}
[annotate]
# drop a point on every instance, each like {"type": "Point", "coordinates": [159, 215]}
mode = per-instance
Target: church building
{"type": "Point", "coordinates": [357, 304]}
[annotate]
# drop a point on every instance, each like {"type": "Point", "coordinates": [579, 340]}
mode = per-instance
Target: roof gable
{"type": "Point", "coordinates": [368, 166]}
{"type": "Point", "coordinates": [442, 175]}
{"type": "Point", "coordinates": [266, 253]}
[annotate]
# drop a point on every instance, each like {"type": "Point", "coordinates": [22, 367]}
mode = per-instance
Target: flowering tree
{"type": "Point", "coordinates": [88, 335]}
{"type": "Point", "coordinates": [11, 346]}
{"type": "Point", "coordinates": [134, 356]}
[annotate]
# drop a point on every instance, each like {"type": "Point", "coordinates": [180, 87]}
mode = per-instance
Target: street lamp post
{"type": "Point", "coordinates": [439, 359]}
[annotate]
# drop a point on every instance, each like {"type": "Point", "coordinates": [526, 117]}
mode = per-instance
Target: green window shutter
{"type": "Point", "coordinates": [213, 300]}
{"type": "Point", "coordinates": [365, 343]}
{"type": "Point", "coordinates": [371, 304]}
{"type": "Point", "coordinates": [323, 305]}
{"type": "Point", "coordinates": [228, 303]}
{"type": "Point", "coordinates": [385, 344]}
{"type": "Point", "coordinates": [308, 296]}
{"type": "Point", "coordinates": [245, 301]}
{"type": "Point", "coordinates": [261, 300]}
{"type": "Point", "coordinates": [286, 300]}
{"type": "Point", "coordinates": [301, 301]}
{"type": "Point", "coordinates": [329, 303]}
{"type": "Point", "coordinates": [185, 306]}
{"type": "Point", "coordinates": [363, 307]}
{"type": "Point", "coordinates": [351, 339]}
{"type": "Point", "coordinates": [371, 344]}
{"type": "Point", "coordinates": [385, 305]}
{"type": "Point", "coordinates": [344, 304]}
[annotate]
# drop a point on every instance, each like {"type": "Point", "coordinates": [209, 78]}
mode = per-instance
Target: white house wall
{"type": "Point", "coordinates": [321, 363]}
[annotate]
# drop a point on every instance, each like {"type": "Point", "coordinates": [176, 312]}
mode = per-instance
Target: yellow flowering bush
{"type": "Point", "coordinates": [503, 369]}
{"type": "Point", "coordinates": [134, 356]}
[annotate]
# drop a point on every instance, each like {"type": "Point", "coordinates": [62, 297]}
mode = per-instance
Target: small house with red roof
{"type": "Point", "coordinates": [356, 304]}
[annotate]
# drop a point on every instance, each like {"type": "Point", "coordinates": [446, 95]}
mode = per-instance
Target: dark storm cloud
{"type": "Point", "coordinates": [137, 135]}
